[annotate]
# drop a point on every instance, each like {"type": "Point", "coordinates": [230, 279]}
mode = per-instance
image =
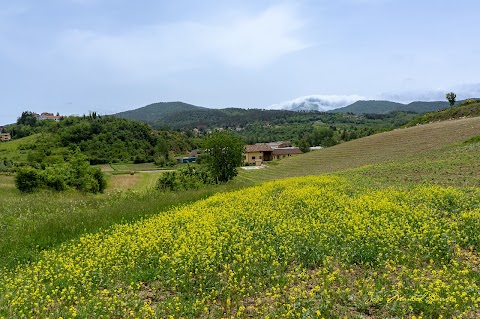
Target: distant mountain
{"type": "Point", "coordinates": [155, 111]}
{"type": "Point", "coordinates": [371, 107]}
{"type": "Point", "coordinates": [384, 107]}
{"type": "Point", "coordinates": [178, 115]}
{"type": "Point", "coordinates": [425, 107]}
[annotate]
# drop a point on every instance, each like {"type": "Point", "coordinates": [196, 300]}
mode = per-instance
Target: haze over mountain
{"type": "Point", "coordinates": [320, 103]}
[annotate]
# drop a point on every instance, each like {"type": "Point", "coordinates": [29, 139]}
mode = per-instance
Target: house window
{"type": "Point", "coordinates": [260, 157]}
{"type": "Point", "coordinates": [253, 157]}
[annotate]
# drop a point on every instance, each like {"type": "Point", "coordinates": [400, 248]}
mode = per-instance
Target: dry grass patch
{"type": "Point", "coordinates": [7, 181]}
{"type": "Point", "coordinates": [124, 181]}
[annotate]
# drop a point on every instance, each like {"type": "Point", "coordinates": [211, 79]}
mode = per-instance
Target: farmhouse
{"type": "Point", "coordinates": [280, 153]}
{"type": "Point", "coordinates": [48, 116]}
{"type": "Point", "coordinates": [5, 137]}
{"type": "Point", "coordinates": [258, 153]}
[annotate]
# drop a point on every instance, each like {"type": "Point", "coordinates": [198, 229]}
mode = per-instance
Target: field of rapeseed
{"type": "Point", "coordinates": [307, 247]}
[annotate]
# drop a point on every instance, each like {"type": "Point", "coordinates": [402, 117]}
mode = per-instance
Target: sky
{"type": "Point", "coordinates": [77, 56]}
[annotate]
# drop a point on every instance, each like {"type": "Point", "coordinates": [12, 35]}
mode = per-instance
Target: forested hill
{"type": "Point", "coordinates": [180, 116]}
{"type": "Point", "coordinates": [468, 108]}
{"type": "Point", "coordinates": [103, 139]}
{"type": "Point", "coordinates": [155, 111]}
{"type": "Point", "coordinates": [384, 107]}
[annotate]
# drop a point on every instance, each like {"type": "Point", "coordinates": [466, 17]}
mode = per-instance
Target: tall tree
{"type": "Point", "coordinates": [451, 97]}
{"type": "Point", "coordinates": [224, 153]}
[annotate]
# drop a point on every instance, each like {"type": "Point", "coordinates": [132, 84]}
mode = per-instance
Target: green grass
{"type": "Point", "coordinates": [31, 223]}
{"type": "Point", "coordinates": [459, 111]}
{"type": "Point", "coordinates": [12, 149]}
{"type": "Point", "coordinates": [135, 167]}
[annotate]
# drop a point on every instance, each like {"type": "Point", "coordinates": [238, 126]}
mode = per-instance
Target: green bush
{"type": "Point", "coordinates": [27, 179]}
{"type": "Point", "coordinates": [76, 173]}
{"type": "Point", "coordinates": [186, 178]}
{"type": "Point", "coordinates": [54, 178]}
{"type": "Point", "coordinates": [168, 182]}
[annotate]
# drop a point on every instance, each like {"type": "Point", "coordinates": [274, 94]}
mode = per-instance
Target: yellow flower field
{"type": "Point", "coordinates": [308, 247]}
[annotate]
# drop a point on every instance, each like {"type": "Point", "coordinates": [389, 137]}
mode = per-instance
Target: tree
{"type": "Point", "coordinates": [224, 153]}
{"type": "Point", "coordinates": [304, 145]}
{"type": "Point", "coordinates": [27, 118]}
{"type": "Point", "coordinates": [451, 98]}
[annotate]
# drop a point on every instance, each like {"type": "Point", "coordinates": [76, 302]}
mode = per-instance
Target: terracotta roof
{"type": "Point", "coordinates": [258, 148]}
{"type": "Point", "coordinates": [287, 150]}
{"type": "Point", "coordinates": [279, 144]}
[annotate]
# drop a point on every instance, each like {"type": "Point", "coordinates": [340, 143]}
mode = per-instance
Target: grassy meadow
{"type": "Point", "coordinates": [17, 150]}
{"type": "Point", "coordinates": [388, 228]}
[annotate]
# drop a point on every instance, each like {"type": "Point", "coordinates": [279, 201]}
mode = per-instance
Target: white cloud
{"type": "Point", "coordinates": [463, 91]}
{"type": "Point", "coordinates": [246, 42]}
{"type": "Point", "coordinates": [318, 102]}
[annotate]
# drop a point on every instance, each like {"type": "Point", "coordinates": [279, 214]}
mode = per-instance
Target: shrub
{"type": "Point", "coordinates": [160, 160]}
{"type": "Point", "coordinates": [54, 178]}
{"type": "Point", "coordinates": [186, 178]}
{"type": "Point", "coordinates": [168, 182]}
{"type": "Point", "coordinates": [27, 179]}
{"type": "Point", "coordinates": [100, 178]}
{"type": "Point", "coordinates": [76, 173]}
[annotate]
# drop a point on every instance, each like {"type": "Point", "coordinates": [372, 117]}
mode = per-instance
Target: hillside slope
{"type": "Point", "coordinates": [384, 107]}
{"type": "Point", "coordinates": [469, 108]}
{"type": "Point", "coordinates": [389, 146]}
{"type": "Point", "coordinates": [375, 107]}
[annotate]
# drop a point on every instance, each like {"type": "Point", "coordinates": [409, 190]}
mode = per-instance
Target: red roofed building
{"type": "Point", "coordinates": [48, 116]}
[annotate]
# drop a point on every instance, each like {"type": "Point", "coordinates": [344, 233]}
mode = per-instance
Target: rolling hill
{"type": "Point", "coordinates": [182, 116]}
{"type": "Point", "coordinates": [179, 115]}
{"type": "Point", "coordinates": [384, 107]}
{"type": "Point", "coordinates": [469, 108]}
{"type": "Point", "coordinates": [152, 112]}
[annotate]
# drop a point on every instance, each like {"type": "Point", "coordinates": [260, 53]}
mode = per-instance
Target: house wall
{"type": "Point", "coordinates": [253, 157]}
{"type": "Point", "coordinates": [275, 157]}
{"type": "Point", "coordinates": [5, 137]}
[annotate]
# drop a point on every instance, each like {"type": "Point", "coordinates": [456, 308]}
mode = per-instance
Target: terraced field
{"type": "Point", "coordinates": [413, 144]}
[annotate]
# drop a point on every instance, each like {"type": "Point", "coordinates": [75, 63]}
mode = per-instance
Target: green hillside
{"type": "Point", "coordinates": [103, 139]}
{"type": "Point", "coordinates": [396, 146]}
{"type": "Point", "coordinates": [260, 126]}
{"type": "Point", "coordinates": [384, 107]}
{"type": "Point", "coordinates": [469, 108]}
{"type": "Point", "coordinates": [153, 112]}
{"type": "Point", "coordinates": [372, 107]}
{"type": "Point", "coordinates": [423, 107]}
{"type": "Point", "coordinates": [17, 150]}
